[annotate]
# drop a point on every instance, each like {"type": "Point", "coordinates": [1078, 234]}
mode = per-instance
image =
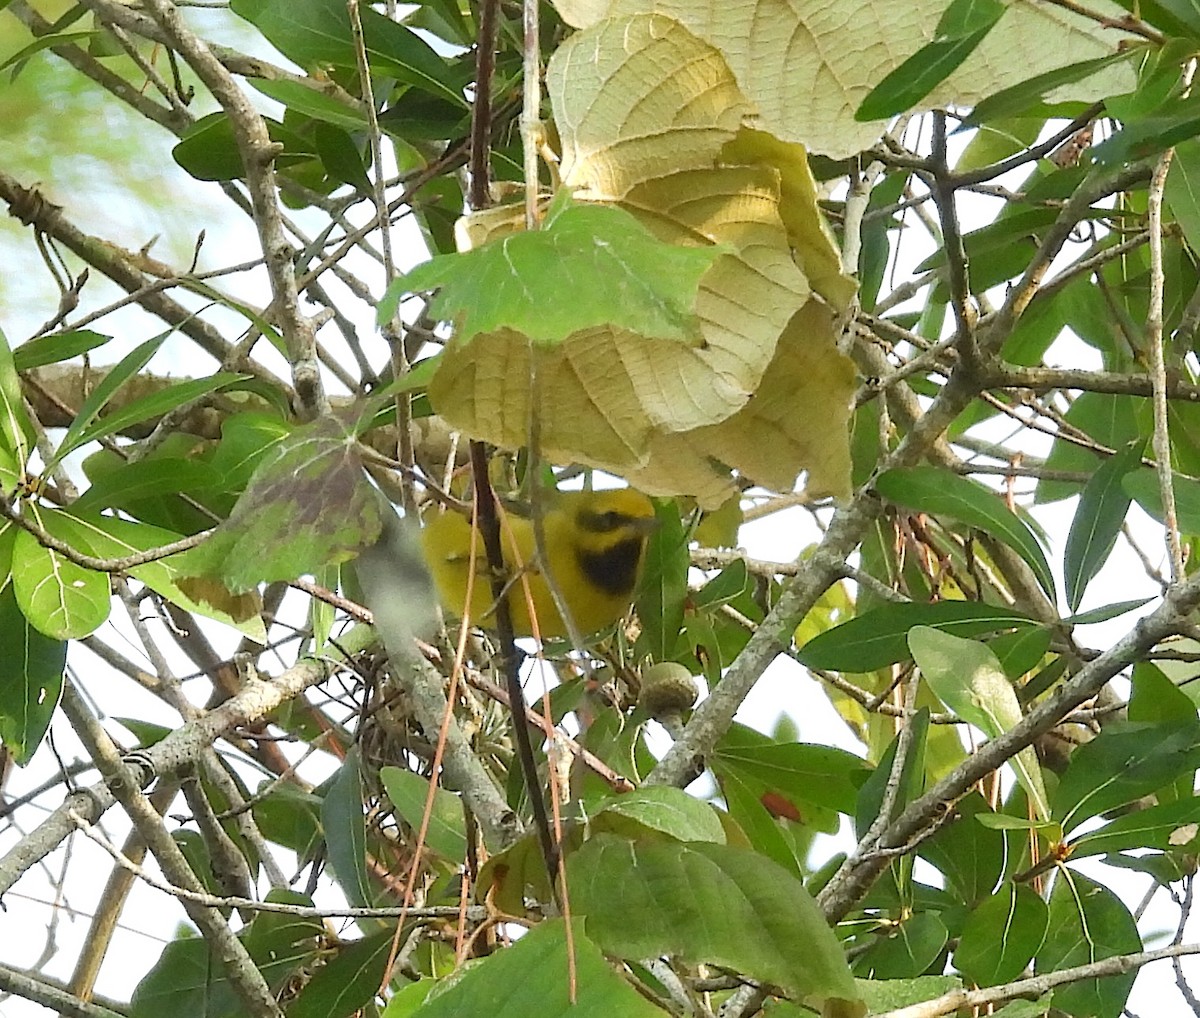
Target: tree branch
{"type": "Point", "coordinates": [1035, 986]}
{"type": "Point", "coordinates": [258, 160]}
{"type": "Point", "coordinates": [858, 872]}
{"type": "Point", "coordinates": [227, 949]}
{"type": "Point", "coordinates": [175, 753]}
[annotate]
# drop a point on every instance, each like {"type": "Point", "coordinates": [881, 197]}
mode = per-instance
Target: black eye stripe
{"type": "Point", "coordinates": [605, 522]}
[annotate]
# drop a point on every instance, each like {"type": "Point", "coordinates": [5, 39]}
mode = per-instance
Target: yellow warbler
{"type": "Point", "coordinates": [595, 542]}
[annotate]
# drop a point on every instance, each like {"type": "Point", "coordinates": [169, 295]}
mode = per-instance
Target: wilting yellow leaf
{"type": "Point", "coordinates": [797, 420]}
{"type": "Point", "coordinates": [809, 235]}
{"type": "Point", "coordinates": [800, 416]}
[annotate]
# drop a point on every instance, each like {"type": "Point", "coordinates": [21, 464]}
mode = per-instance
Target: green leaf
{"type": "Point", "coordinates": [341, 157]}
{"type": "Point", "coordinates": [60, 346]}
{"type": "Point", "coordinates": [883, 995]}
{"type": "Point", "coordinates": [31, 671]}
{"type": "Point", "coordinates": [195, 851]}
{"type": "Point", "coordinates": [307, 506]}
{"type": "Point", "coordinates": [616, 272]}
{"type": "Point", "coordinates": [102, 395]}
{"type": "Point", "coordinates": [1186, 12]}
{"type": "Point", "coordinates": [1097, 523]}
{"type": "Point", "coordinates": [968, 854]}
{"type": "Point", "coordinates": [419, 116]}
{"type": "Point", "coordinates": [963, 26]}
{"type": "Point", "coordinates": [188, 980]}
{"type": "Point", "coordinates": [879, 638]}
{"type": "Point", "coordinates": [1182, 193]}
{"type": "Point", "coordinates": [280, 943]}
{"type": "Point", "coordinates": [316, 34]}
{"type": "Point", "coordinates": [967, 678]}
{"type": "Point", "coordinates": [996, 141]}
{"type": "Point", "coordinates": [530, 978]}
{"type": "Point", "coordinates": [663, 590]}
{"type": "Point", "coordinates": [661, 809]}
{"type": "Point", "coordinates": [1004, 241]}
{"type": "Point", "coordinates": [1087, 924]}
{"type": "Point", "coordinates": [14, 421]}
{"type": "Point", "coordinates": [111, 537]}
{"type": "Point", "coordinates": [348, 981]}
{"type": "Point", "coordinates": [702, 902]}
{"type": "Point", "coordinates": [44, 42]}
{"type": "Point", "coordinates": [446, 833]}
{"type": "Point", "coordinates": [1021, 98]}
{"type": "Point", "coordinates": [10, 481]}
{"type": "Point", "coordinates": [1106, 612]}
{"type": "Point", "coordinates": [1178, 120]}
{"type": "Point", "coordinates": [919, 75]}
{"type": "Point", "coordinates": [8, 538]}
{"type": "Point", "coordinates": [1001, 935]}
{"type": "Point", "coordinates": [1020, 652]}
{"type": "Point", "coordinates": [1039, 1008]}
{"type": "Point", "coordinates": [743, 798]}
{"type": "Point", "coordinates": [146, 732]}
{"type": "Point", "coordinates": [1166, 869]}
{"type": "Point", "coordinates": [1155, 698]}
{"type": "Point", "coordinates": [310, 102]}
{"type": "Point", "coordinates": [345, 831]}
{"type": "Point", "coordinates": [1142, 486]}
{"type": "Point", "coordinates": [61, 600]}
{"type": "Point", "coordinates": [965, 17]}
{"type": "Point", "coordinates": [503, 879]}
{"type": "Point", "coordinates": [246, 440]}
{"type": "Point", "coordinates": [154, 405]}
{"type": "Point", "coordinates": [208, 150]}
{"type": "Point", "coordinates": [448, 20]}
{"type": "Point", "coordinates": [809, 773]}
{"type": "Point", "coordinates": [1005, 822]}
{"type": "Point", "coordinates": [939, 492]}
{"type": "Point", "coordinates": [1123, 763]}
{"type": "Point", "coordinates": [871, 796]}
{"type": "Point", "coordinates": [1162, 827]}
{"type": "Point", "coordinates": [146, 486]}
{"type": "Point", "coordinates": [1107, 419]}
{"type": "Point", "coordinates": [407, 1001]}
{"type": "Point", "coordinates": [910, 948]}
{"type": "Point", "coordinates": [290, 817]}
{"type": "Point", "coordinates": [729, 584]}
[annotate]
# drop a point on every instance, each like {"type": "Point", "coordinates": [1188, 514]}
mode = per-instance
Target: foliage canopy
{"type": "Point", "coordinates": [838, 264]}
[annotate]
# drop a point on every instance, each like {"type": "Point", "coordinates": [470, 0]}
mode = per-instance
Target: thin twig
{"type": "Point", "coordinates": [1161, 439]}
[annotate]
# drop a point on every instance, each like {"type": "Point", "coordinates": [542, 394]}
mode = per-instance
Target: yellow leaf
{"type": "Point", "coordinates": [807, 65]}
{"type": "Point", "coordinates": [639, 98]}
{"type": "Point", "coordinates": [812, 241]}
{"type": "Point", "coordinates": [803, 404]}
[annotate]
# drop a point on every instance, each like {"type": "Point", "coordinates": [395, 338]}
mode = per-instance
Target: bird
{"type": "Point", "coordinates": [595, 542]}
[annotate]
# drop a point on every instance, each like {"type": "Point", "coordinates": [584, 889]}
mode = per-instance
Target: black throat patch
{"type": "Point", "coordinates": [613, 570]}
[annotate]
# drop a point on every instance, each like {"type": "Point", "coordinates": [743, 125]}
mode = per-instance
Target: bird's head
{"type": "Point", "coordinates": [604, 518]}
{"type": "Point", "coordinates": [609, 531]}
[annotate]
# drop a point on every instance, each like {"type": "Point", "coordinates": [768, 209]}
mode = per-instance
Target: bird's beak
{"type": "Point", "coordinates": [646, 525]}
